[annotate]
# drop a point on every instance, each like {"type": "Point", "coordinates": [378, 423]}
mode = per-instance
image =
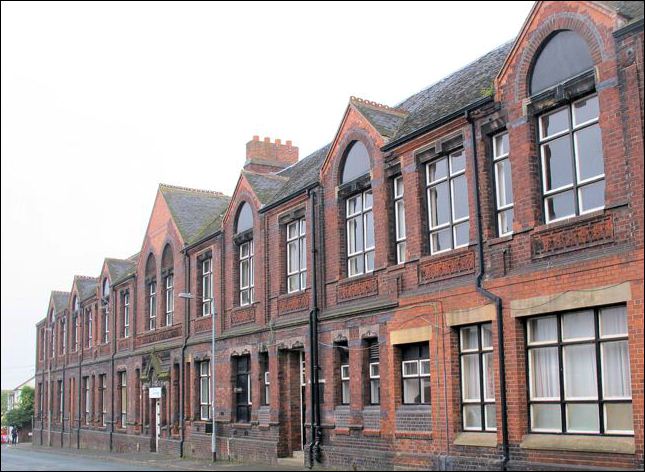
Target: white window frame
{"type": "Point", "coordinates": [170, 299]}
{"type": "Point", "coordinates": [453, 223]}
{"type": "Point", "coordinates": [418, 375]}
{"type": "Point", "coordinates": [267, 384]}
{"type": "Point", "coordinates": [375, 378]}
{"type": "Point", "coordinates": [126, 314]}
{"type": "Point", "coordinates": [89, 328]}
{"type": "Point", "coordinates": [63, 326]}
{"type": "Point", "coordinates": [106, 321]}
{"type": "Point", "coordinates": [124, 398]}
{"type": "Point", "coordinates": [86, 381]}
{"type": "Point", "coordinates": [299, 240]}
{"type": "Point", "coordinates": [577, 185]}
{"type": "Point", "coordinates": [247, 256]}
{"type": "Point", "coordinates": [399, 220]}
{"type": "Point", "coordinates": [103, 390]}
{"type": "Point", "coordinates": [499, 158]}
{"type": "Point", "coordinates": [363, 213]}
{"type": "Point", "coordinates": [207, 286]}
{"type": "Point", "coordinates": [205, 403]}
{"type": "Point", "coordinates": [152, 305]}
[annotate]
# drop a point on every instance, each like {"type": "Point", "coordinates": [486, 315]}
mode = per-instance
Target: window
{"type": "Point", "coordinates": [102, 399]}
{"type": "Point", "coordinates": [205, 390]}
{"type": "Point", "coordinates": [86, 387]}
{"type": "Point", "coordinates": [573, 175]}
{"type": "Point", "coordinates": [152, 305]}
{"type": "Point", "coordinates": [579, 373]}
{"type": "Point", "coordinates": [59, 385]}
{"type": "Point", "coordinates": [207, 286]}
{"type": "Point", "coordinates": [343, 353]}
{"type": "Point", "coordinates": [42, 344]}
{"type": "Point", "coordinates": [477, 378]}
{"type": "Point", "coordinates": [399, 220]}
{"type": "Point", "coordinates": [503, 184]}
{"type": "Point", "coordinates": [126, 314]}
{"type": "Point", "coordinates": [415, 369]}
{"type": "Point", "coordinates": [170, 300]}
{"type": "Point", "coordinates": [53, 330]}
{"type": "Point", "coordinates": [265, 379]}
{"type": "Point", "coordinates": [296, 255]}
{"type": "Point", "coordinates": [243, 389]}
{"type": "Point", "coordinates": [76, 321]}
{"type": "Point", "coordinates": [357, 162]}
{"type": "Point", "coordinates": [123, 384]}
{"type": "Point", "coordinates": [374, 372]}
{"type": "Point", "coordinates": [360, 234]}
{"type": "Point", "coordinates": [106, 310]}
{"type": "Point", "coordinates": [63, 327]}
{"type": "Point", "coordinates": [447, 190]}
{"type": "Point", "coordinates": [246, 273]}
{"type": "Point", "coordinates": [89, 328]}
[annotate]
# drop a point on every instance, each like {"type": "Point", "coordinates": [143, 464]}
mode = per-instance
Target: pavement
{"type": "Point", "coordinates": [26, 457]}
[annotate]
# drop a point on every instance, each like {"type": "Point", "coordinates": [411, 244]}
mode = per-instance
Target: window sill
{"type": "Point", "coordinates": [500, 239]}
{"type": "Point", "coordinates": [580, 443]}
{"type": "Point", "coordinates": [476, 439]}
{"type": "Point", "coordinates": [570, 220]}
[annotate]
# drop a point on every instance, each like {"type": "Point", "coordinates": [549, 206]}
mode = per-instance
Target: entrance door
{"type": "Point", "coordinates": [157, 423]}
{"type": "Point", "coordinates": [303, 403]}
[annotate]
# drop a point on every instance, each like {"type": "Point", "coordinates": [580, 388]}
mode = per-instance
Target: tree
{"type": "Point", "coordinates": [21, 415]}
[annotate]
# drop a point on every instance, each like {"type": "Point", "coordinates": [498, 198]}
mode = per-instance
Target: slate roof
{"type": "Point", "coordinates": [194, 210]}
{"type": "Point", "coordinates": [60, 300]}
{"type": "Point", "coordinates": [86, 286]}
{"type": "Point", "coordinates": [120, 269]}
{"type": "Point", "coordinates": [630, 10]}
{"type": "Point", "coordinates": [451, 94]}
{"type": "Point", "coordinates": [385, 120]}
{"type": "Point", "coordinates": [265, 186]}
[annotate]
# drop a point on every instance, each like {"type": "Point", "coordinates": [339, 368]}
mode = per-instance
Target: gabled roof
{"type": "Point", "coordinates": [265, 186]}
{"type": "Point", "coordinates": [60, 301]}
{"type": "Point", "coordinates": [86, 286]}
{"type": "Point", "coordinates": [193, 210]}
{"type": "Point", "coordinates": [384, 119]}
{"type": "Point", "coordinates": [120, 269]}
{"type": "Point", "coordinates": [630, 10]}
{"type": "Point", "coordinates": [452, 93]}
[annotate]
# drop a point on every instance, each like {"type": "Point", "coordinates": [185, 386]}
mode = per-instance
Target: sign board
{"type": "Point", "coordinates": [155, 392]}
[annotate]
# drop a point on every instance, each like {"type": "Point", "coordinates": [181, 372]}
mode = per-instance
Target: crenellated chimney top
{"type": "Point", "coordinates": [269, 157]}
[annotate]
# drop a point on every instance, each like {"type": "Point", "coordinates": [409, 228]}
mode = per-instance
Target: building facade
{"type": "Point", "coordinates": [455, 282]}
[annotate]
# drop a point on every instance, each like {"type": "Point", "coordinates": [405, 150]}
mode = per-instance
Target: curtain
{"type": "Point", "coordinates": [615, 368]}
{"type": "Point", "coordinates": [543, 329]}
{"type": "Point", "coordinates": [613, 321]}
{"type": "Point", "coordinates": [545, 379]}
{"type": "Point", "coordinates": [580, 379]}
{"type": "Point", "coordinates": [470, 377]}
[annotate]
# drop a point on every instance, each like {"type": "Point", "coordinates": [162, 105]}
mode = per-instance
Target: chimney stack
{"type": "Point", "coordinates": [266, 157]}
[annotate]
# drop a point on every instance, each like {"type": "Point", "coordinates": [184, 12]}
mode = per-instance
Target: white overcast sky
{"type": "Point", "coordinates": [103, 101]}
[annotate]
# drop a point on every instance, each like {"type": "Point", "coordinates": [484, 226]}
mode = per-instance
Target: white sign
{"type": "Point", "coordinates": [155, 392]}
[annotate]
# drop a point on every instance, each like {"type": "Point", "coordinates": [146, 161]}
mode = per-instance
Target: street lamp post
{"type": "Point", "coordinates": [190, 296]}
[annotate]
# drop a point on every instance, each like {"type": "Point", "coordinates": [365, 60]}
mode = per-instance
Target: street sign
{"type": "Point", "coordinates": [155, 392]}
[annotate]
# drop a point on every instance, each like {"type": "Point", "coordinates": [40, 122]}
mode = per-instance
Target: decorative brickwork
{"type": "Point", "coordinates": [446, 267]}
{"type": "Point", "coordinates": [354, 289]}
{"type": "Point", "coordinates": [292, 303]}
{"type": "Point", "coordinates": [573, 237]}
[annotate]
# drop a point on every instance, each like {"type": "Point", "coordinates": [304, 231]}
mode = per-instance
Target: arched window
{"type": "Point", "coordinates": [357, 162]}
{"type": "Point", "coordinates": [563, 56]}
{"type": "Point", "coordinates": [106, 288]}
{"type": "Point", "coordinates": [106, 309]}
{"type": "Point", "coordinates": [244, 218]}
{"type": "Point", "coordinates": [151, 291]}
{"type": "Point", "coordinates": [76, 307]}
{"type": "Point", "coordinates": [52, 318]}
{"type": "Point", "coordinates": [246, 252]}
{"type": "Point", "coordinates": [168, 285]}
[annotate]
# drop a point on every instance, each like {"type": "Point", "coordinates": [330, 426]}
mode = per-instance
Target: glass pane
{"type": "Point", "coordinates": [546, 418]}
{"type": "Point", "coordinates": [472, 417]}
{"type": "Point", "coordinates": [244, 297]}
{"type": "Point", "coordinates": [457, 162]}
{"type": "Point", "coordinates": [589, 152]}
{"type": "Point", "coordinates": [487, 335]}
{"type": "Point", "coordinates": [374, 391]}
{"type": "Point", "coordinates": [355, 232]}
{"type": "Point", "coordinates": [292, 282]}
{"type": "Point", "coordinates": [470, 377]}
{"type": "Point", "coordinates": [619, 418]}
{"type": "Point", "coordinates": [292, 230]}
{"type": "Point", "coordinates": [592, 196]}
{"type": "Point", "coordinates": [544, 371]}
{"type": "Point", "coordinates": [345, 392]}
{"type": "Point", "coordinates": [357, 162]}
{"type": "Point", "coordinates": [244, 250]}
{"type": "Point", "coordinates": [410, 368]}
{"type": "Point", "coordinates": [437, 170]}
{"type": "Point", "coordinates": [462, 236]}
{"type": "Point", "coordinates": [489, 377]}
{"type": "Point", "coordinates": [355, 265]}
{"type": "Point", "coordinates": [469, 338]}
{"type": "Point", "coordinates": [368, 200]}
{"type": "Point", "coordinates": [354, 205]}
{"type": "Point", "coordinates": [400, 220]}
{"type": "Point", "coordinates": [558, 170]}
{"type": "Point", "coordinates": [303, 253]}
{"type": "Point", "coordinates": [491, 417]}
{"type": "Point", "coordinates": [504, 183]}
{"type": "Point", "coordinates": [244, 273]}
{"type": "Point", "coordinates": [439, 204]}
{"type": "Point", "coordinates": [560, 206]}
{"type": "Point", "coordinates": [580, 381]}
{"type": "Point", "coordinates": [585, 110]}
{"type": "Point", "coordinates": [292, 257]}
{"type": "Point", "coordinates": [442, 240]}
{"type": "Point", "coordinates": [613, 321]}
{"type": "Point", "coordinates": [582, 418]}
{"type": "Point", "coordinates": [616, 373]}
{"type": "Point", "coordinates": [505, 221]}
{"type": "Point", "coordinates": [369, 261]}
{"type": "Point", "coordinates": [578, 325]}
{"type": "Point", "coordinates": [501, 144]}
{"type": "Point", "coordinates": [303, 227]}
{"type": "Point", "coordinates": [555, 122]}
{"type": "Point", "coordinates": [460, 197]}
{"type": "Point", "coordinates": [369, 230]}
{"type": "Point", "coordinates": [544, 329]}
{"type": "Point", "coordinates": [398, 187]}
{"type": "Point", "coordinates": [411, 393]}
{"type": "Point", "coordinates": [400, 252]}
{"type": "Point", "coordinates": [425, 390]}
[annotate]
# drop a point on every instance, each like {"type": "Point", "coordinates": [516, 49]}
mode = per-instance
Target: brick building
{"type": "Point", "coordinates": [468, 264]}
